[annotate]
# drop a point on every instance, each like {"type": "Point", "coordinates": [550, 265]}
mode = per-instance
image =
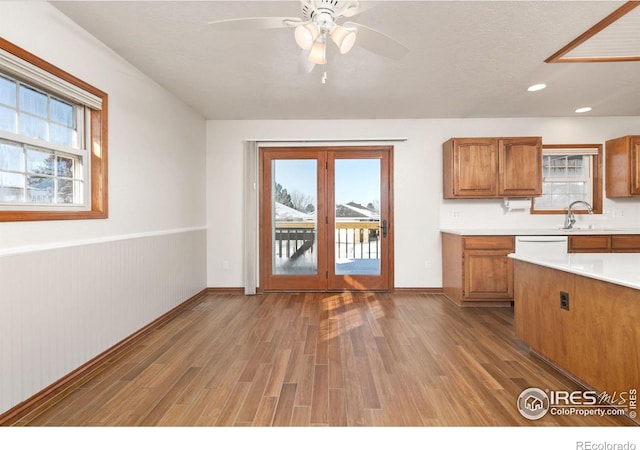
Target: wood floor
{"type": "Point", "coordinates": [312, 359]}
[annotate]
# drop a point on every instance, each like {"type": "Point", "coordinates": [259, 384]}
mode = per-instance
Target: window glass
{"type": "Point", "coordinates": [7, 92]}
{"type": "Point", "coordinates": [40, 189]}
{"type": "Point", "coordinates": [11, 187]}
{"type": "Point", "coordinates": [31, 126]}
{"type": "Point", "coordinates": [7, 119]}
{"type": "Point", "coordinates": [37, 114]}
{"type": "Point", "coordinates": [39, 162]}
{"type": "Point", "coordinates": [569, 174]}
{"type": "Point", "coordinates": [62, 113]}
{"type": "Point", "coordinates": [33, 102]}
{"type": "Point", "coordinates": [569, 166]}
{"type": "Point", "coordinates": [61, 135]}
{"type": "Point", "coordinates": [31, 174]}
{"type": "Point", "coordinates": [65, 191]}
{"type": "Point", "coordinates": [65, 167]}
{"type": "Point", "coordinates": [11, 157]}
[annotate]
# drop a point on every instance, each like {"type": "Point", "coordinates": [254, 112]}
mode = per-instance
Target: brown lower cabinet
{"type": "Point", "coordinates": [605, 243]}
{"type": "Point", "coordinates": [476, 269]}
{"type": "Point", "coordinates": [597, 243]}
{"type": "Point", "coordinates": [593, 339]}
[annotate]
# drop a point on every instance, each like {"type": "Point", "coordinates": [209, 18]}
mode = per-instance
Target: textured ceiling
{"type": "Point", "coordinates": [621, 39]}
{"type": "Point", "coordinates": [466, 59]}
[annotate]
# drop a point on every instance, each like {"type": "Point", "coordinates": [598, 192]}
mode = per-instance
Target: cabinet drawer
{"type": "Point", "coordinates": [590, 244]}
{"type": "Point", "coordinates": [489, 243]}
{"type": "Point", "coordinates": [629, 243]}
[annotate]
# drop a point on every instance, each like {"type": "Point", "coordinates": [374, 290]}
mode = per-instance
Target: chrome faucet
{"type": "Point", "coordinates": [570, 219]}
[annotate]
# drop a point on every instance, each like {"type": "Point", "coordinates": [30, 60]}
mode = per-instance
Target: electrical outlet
{"type": "Point", "coordinates": [456, 214]}
{"type": "Point", "coordinates": [564, 300]}
{"type": "Point", "coordinates": [617, 212]}
{"type": "Point", "coordinates": [428, 264]}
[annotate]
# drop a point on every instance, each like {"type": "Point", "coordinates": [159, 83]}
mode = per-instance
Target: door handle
{"type": "Point", "coordinates": [384, 228]}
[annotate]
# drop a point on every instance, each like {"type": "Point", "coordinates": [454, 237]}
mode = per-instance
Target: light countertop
{"type": "Point", "coordinates": [538, 231]}
{"type": "Point", "coordinates": [617, 268]}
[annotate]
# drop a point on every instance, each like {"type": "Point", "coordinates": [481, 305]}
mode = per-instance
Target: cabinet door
{"type": "Point", "coordinates": [635, 165]}
{"type": "Point", "coordinates": [590, 244]}
{"type": "Point", "coordinates": [488, 274]}
{"type": "Point", "coordinates": [475, 167]}
{"type": "Point", "coordinates": [622, 167]}
{"type": "Point", "coordinates": [625, 243]}
{"type": "Point", "coordinates": [520, 166]}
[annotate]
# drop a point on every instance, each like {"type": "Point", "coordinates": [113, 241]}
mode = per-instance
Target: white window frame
{"type": "Point", "coordinates": [78, 150]}
{"type": "Point", "coordinates": [592, 176]}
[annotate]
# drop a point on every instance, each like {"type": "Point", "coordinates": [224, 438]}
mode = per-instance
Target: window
{"type": "Point", "coordinates": [570, 173]}
{"type": "Point", "coordinates": [53, 130]}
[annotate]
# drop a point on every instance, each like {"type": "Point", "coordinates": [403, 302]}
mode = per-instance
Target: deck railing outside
{"type": "Point", "coordinates": [353, 240]}
{"type": "Point", "coordinates": [357, 240]}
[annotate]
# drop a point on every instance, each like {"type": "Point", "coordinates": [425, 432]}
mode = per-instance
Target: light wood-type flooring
{"type": "Point", "coordinates": [319, 359]}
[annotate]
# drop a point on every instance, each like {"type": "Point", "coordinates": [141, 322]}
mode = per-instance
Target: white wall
{"type": "Point", "coordinates": [420, 211]}
{"type": "Point", "coordinates": [71, 289]}
{"type": "Point", "coordinates": [156, 179]}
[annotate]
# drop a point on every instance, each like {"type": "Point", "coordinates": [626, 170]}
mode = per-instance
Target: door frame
{"type": "Point", "coordinates": [296, 282]}
{"type": "Point", "coordinates": [288, 282]}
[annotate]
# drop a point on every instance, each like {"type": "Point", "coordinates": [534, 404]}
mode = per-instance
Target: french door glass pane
{"type": "Point", "coordinates": [357, 233]}
{"type": "Point", "coordinates": [294, 195]}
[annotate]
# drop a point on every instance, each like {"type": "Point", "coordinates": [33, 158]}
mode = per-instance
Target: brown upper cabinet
{"type": "Point", "coordinates": [492, 167]}
{"type": "Point", "coordinates": [622, 167]}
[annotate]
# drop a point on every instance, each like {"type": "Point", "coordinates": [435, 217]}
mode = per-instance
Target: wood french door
{"type": "Point", "coordinates": [326, 218]}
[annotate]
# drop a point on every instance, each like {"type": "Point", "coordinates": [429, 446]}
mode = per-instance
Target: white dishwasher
{"type": "Point", "coordinates": [547, 246]}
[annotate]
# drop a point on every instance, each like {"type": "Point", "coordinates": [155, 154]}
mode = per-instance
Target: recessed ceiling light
{"type": "Point", "coordinates": [536, 87]}
{"type": "Point", "coordinates": [583, 110]}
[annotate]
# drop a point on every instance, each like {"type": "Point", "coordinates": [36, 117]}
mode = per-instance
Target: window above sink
{"type": "Point", "coordinates": [570, 172]}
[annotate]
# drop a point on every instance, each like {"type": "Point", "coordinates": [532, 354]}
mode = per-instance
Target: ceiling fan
{"type": "Point", "coordinates": [319, 24]}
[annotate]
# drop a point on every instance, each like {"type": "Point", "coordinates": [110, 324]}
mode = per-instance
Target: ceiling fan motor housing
{"type": "Point", "coordinates": [335, 8]}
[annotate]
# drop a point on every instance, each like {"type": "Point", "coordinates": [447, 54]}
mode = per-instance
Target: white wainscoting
{"type": "Point", "coordinates": [61, 307]}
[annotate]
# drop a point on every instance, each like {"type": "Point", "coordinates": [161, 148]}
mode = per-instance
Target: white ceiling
{"type": "Point", "coordinates": [466, 59]}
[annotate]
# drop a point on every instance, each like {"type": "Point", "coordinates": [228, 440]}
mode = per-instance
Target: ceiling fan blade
{"type": "Point", "coordinates": [377, 42]}
{"type": "Point", "coordinates": [304, 65]}
{"type": "Point", "coordinates": [255, 23]}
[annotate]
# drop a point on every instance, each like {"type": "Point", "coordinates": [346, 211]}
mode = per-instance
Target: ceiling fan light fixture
{"type": "Point", "coordinates": [306, 35]}
{"type": "Point", "coordinates": [344, 38]}
{"type": "Point", "coordinates": [318, 53]}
